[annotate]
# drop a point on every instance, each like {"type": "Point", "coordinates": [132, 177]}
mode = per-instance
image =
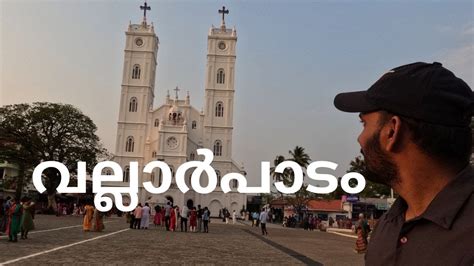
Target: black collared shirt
{"type": "Point", "coordinates": [442, 235]}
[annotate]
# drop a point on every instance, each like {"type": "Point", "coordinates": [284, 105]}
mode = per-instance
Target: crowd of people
{"type": "Point", "coordinates": [169, 216]}
{"type": "Point", "coordinates": [16, 216]}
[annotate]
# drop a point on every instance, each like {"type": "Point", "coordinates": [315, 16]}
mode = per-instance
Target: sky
{"type": "Point", "coordinates": [293, 57]}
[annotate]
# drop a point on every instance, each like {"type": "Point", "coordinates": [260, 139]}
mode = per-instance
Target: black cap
{"type": "Point", "coordinates": [428, 92]}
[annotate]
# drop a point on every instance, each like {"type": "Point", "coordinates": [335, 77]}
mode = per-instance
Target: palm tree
{"type": "Point", "coordinates": [300, 199]}
{"type": "Point", "coordinates": [278, 176]}
{"type": "Point", "coordinates": [300, 156]}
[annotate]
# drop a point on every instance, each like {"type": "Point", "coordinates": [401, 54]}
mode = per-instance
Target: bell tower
{"type": "Point", "coordinates": [219, 88]}
{"type": "Point", "coordinates": [137, 94]}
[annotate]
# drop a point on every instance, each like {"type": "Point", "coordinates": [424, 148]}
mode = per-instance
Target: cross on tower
{"type": "Point", "coordinates": [176, 90]}
{"type": "Point", "coordinates": [223, 11]}
{"type": "Point", "coordinates": [145, 7]}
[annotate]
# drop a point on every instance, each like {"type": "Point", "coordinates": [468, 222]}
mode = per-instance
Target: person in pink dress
{"type": "Point", "coordinates": [173, 219]}
{"type": "Point", "coordinates": [157, 218]}
{"type": "Point", "coordinates": [193, 220]}
{"type": "Point", "coordinates": [163, 212]}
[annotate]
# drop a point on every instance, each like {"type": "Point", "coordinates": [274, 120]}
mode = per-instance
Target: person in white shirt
{"type": "Point", "coordinates": [145, 216]}
{"type": "Point", "coordinates": [263, 221]}
{"type": "Point", "coordinates": [184, 218]}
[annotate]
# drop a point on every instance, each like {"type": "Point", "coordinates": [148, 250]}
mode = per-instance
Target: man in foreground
{"type": "Point", "coordinates": [417, 139]}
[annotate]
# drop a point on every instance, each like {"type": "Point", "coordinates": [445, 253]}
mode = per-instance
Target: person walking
{"type": "Point", "coordinates": [99, 221]}
{"type": "Point", "coordinates": [199, 218]}
{"type": "Point", "coordinates": [234, 218]}
{"type": "Point", "coordinates": [184, 218]}
{"type": "Point", "coordinates": [157, 218]}
{"type": "Point", "coordinates": [168, 210]}
{"type": "Point", "coordinates": [205, 219]}
{"type": "Point", "coordinates": [254, 219]}
{"type": "Point", "coordinates": [27, 223]}
{"type": "Point", "coordinates": [88, 216]}
{"type": "Point", "coordinates": [146, 211]}
{"type": "Point", "coordinates": [14, 221]}
{"type": "Point", "coordinates": [263, 221]}
{"type": "Point", "coordinates": [193, 220]}
{"type": "Point", "coordinates": [173, 218]}
{"type": "Point", "coordinates": [138, 216]}
{"type": "Point", "coordinates": [362, 231]}
{"type": "Point", "coordinates": [227, 215]}
{"type": "Point", "coordinates": [131, 220]}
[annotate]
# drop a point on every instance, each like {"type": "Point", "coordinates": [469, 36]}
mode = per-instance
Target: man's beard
{"type": "Point", "coordinates": [379, 167]}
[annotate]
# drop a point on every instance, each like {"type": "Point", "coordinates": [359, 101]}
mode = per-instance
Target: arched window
{"type": "Point", "coordinates": [133, 106]}
{"type": "Point", "coordinates": [126, 174]}
{"type": "Point", "coordinates": [218, 148]}
{"type": "Point", "coordinates": [220, 76]}
{"type": "Point", "coordinates": [106, 171]}
{"type": "Point", "coordinates": [192, 156]}
{"type": "Point", "coordinates": [234, 183]}
{"type": "Point", "coordinates": [153, 154]}
{"type": "Point", "coordinates": [157, 122]}
{"type": "Point", "coordinates": [129, 145]}
{"type": "Point", "coordinates": [218, 174]}
{"type": "Point", "coordinates": [219, 109]}
{"type": "Point", "coordinates": [136, 72]}
{"type": "Point", "coordinates": [193, 125]}
{"type": "Point", "coordinates": [172, 170]}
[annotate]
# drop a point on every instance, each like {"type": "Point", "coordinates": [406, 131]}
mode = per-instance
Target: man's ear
{"type": "Point", "coordinates": [392, 133]}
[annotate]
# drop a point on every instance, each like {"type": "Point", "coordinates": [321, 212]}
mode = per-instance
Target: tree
{"type": "Point", "coordinates": [277, 176]}
{"type": "Point", "coordinates": [299, 156]}
{"type": "Point", "coordinates": [371, 189]}
{"type": "Point", "coordinates": [33, 133]}
{"type": "Point", "coordinates": [299, 199]}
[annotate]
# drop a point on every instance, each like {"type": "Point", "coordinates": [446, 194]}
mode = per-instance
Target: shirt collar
{"type": "Point", "coordinates": [446, 205]}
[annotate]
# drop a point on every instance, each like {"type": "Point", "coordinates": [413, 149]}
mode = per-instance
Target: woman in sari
{"type": "Point", "coordinates": [88, 217]}
{"type": "Point", "coordinates": [14, 220]}
{"type": "Point", "coordinates": [27, 223]}
{"type": "Point", "coordinates": [173, 219]}
{"type": "Point", "coordinates": [362, 231]}
{"type": "Point", "coordinates": [157, 218]}
{"type": "Point", "coordinates": [193, 220]}
{"type": "Point", "coordinates": [163, 217]}
{"type": "Point", "coordinates": [178, 215]}
{"type": "Point", "coordinates": [3, 217]}
{"type": "Point", "coordinates": [98, 221]}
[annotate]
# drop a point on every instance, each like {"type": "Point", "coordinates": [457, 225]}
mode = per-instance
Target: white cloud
{"type": "Point", "coordinates": [461, 62]}
{"type": "Point", "coordinates": [469, 29]}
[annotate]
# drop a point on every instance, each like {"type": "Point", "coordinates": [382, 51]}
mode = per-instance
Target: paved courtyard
{"type": "Point", "coordinates": [61, 240]}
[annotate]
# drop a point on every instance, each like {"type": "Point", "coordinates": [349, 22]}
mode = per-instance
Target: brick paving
{"type": "Point", "coordinates": [225, 244]}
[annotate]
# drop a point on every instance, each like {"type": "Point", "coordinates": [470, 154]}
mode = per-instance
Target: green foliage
{"type": "Point", "coordinates": [372, 190]}
{"type": "Point", "coordinates": [33, 133]}
{"type": "Point", "coordinates": [299, 199]}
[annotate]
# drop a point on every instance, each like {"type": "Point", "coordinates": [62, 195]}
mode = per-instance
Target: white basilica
{"type": "Point", "coordinates": [175, 130]}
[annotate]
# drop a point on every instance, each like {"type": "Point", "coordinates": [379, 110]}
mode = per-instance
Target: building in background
{"type": "Point", "coordinates": [175, 130]}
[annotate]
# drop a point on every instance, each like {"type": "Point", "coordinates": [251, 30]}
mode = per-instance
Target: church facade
{"type": "Point", "coordinates": [175, 130]}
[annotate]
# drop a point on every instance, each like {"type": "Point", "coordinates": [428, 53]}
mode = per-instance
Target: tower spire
{"type": "Point", "coordinates": [176, 90]}
{"type": "Point", "coordinates": [223, 11]}
{"type": "Point", "coordinates": [145, 7]}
